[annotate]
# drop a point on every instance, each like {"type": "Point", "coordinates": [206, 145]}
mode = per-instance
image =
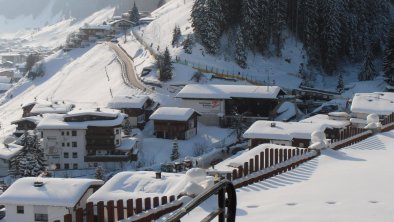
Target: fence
{"type": "Point", "coordinates": [140, 210]}
{"type": "Point", "coordinates": [220, 72]}
{"type": "Point", "coordinates": [270, 162]}
{"type": "Point", "coordinates": [388, 123]}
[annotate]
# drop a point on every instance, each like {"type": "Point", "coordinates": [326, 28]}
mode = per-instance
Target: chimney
{"type": "Point", "coordinates": [273, 124]}
{"type": "Point", "coordinates": [158, 175]}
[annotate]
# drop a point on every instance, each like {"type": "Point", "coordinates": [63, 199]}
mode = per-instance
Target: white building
{"type": "Point", "coordinates": [296, 134]}
{"type": "Point", "coordinates": [46, 199]}
{"type": "Point", "coordinates": [86, 138]}
{"type": "Point", "coordinates": [216, 102]}
{"type": "Point", "coordinates": [363, 104]}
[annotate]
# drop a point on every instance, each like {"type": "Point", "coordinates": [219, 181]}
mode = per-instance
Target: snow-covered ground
{"type": "Point", "coordinates": [352, 184]}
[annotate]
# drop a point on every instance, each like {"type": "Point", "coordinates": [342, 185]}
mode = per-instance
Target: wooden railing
{"type": "Point", "coordinates": [227, 207]}
{"type": "Point", "coordinates": [138, 210]}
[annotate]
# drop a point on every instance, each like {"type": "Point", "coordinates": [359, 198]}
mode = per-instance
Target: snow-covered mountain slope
{"type": "Point", "coordinates": [282, 71]}
{"type": "Point", "coordinates": [84, 77]}
{"type": "Point", "coordinates": [17, 15]}
{"type": "Point", "coordinates": [55, 35]}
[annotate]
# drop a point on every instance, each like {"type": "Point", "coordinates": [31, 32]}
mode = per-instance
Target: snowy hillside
{"type": "Point", "coordinates": [177, 12]}
{"type": "Point", "coordinates": [282, 71]}
{"type": "Point", "coordinates": [18, 15]}
{"type": "Point", "coordinates": [83, 77]}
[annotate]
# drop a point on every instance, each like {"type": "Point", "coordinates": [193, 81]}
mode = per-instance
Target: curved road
{"type": "Point", "coordinates": [131, 75]}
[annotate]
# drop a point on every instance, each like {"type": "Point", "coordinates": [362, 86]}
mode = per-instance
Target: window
{"type": "Point", "coordinates": [75, 155]}
{"type": "Point", "coordinates": [41, 217]}
{"type": "Point", "coordinates": [58, 166]}
{"type": "Point", "coordinates": [20, 210]}
{"type": "Point", "coordinates": [74, 133]}
{"type": "Point", "coordinates": [63, 144]}
{"type": "Point", "coordinates": [62, 133]}
{"type": "Point", "coordinates": [75, 166]}
{"type": "Point", "coordinates": [117, 131]}
{"type": "Point", "coordinates": [42, 134]}
{"type": "Point", "coordinates": [66, 166]}
{"type": "Point", "coordinates": [117, 142]}
{"type": "Point", "coordinates": [65, 155]}
{"type": "Point", "coordinates": [68, 144]}
{"type": "Point", "coordinates": [74, 144]}
{"type": "Point", "coordinates": [67, 133]}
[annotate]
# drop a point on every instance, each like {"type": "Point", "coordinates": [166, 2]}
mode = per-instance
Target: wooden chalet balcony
{"type": "Point", "coordinates": [111, 158]}
{"type": "Point", "coordinates": [100, 146]}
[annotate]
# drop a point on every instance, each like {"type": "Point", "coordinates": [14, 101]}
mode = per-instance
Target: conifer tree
{"type": "Point", "coordinates": [388, 61]}
{"type": "Point", "coordinates": [176, 34]}
{"type": "Point", "coordinates": [240, 51]}
{"type": "Point", "coordinates": [340, 84]}
{"type": "Point", "coordinates": [368, 69]}
{"type": "Point", "coordinates": [249, 22]}
{"type": "Point", "coordinates": [165, 66]}
{"type": "Point", "coordinates": [213, 29]}
{"type": "Point", "coordinates": [30, 161]}
{"type": "Point", "coordinates": [135, 14]}
{"type": "Point", "coordinates": [188, 44]}
{"type": "Point", "coordinates": [330, 36]}
{"type": "Point", "coordinates": [99, 173]}
{"type": "Point", "coordinates": [175, 151]}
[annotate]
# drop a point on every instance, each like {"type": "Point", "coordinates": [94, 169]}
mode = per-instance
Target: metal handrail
{"type": "Point", "coordinates": [220, 188]}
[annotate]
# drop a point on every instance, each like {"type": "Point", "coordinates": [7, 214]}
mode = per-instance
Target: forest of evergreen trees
{"type": "Point", "coordinates": [331, 30]}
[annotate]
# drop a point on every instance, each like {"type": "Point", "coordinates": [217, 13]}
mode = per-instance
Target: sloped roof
{"type": "Point", "coordinates": [204, 91]}
{"type": "Point", "coordinates": [55, 191]}
{"type": "Point", "coordinates": [172, 113]}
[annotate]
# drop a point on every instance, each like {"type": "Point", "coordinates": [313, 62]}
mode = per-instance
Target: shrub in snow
{"type": "Point", "coordinates": [373, 121]}
{"type": "Point", "coordinates": [318, 140]}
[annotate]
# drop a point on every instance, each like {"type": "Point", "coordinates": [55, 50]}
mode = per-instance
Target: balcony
{"type": "Point", "coordinates": [111, 158]}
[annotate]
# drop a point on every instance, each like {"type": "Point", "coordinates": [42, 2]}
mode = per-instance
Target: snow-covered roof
{"type": "Point", "coordinates": [325, 120]}
{"type": "Point", "coordinates": [172, 113]}
{"type": "Point", "coordinates": [5, 79]}
{"type": "Point", "coordinates": [53, 108]}
{"type": "Point", "coordinates": [286, 111]}
{"type": "Point", "coordinates": [381, 103]}
{"type": "Point", "coordinates": [7, 152]}
{"type": "Point", "coordinates": [262, 129]}
{"type": "Point", "coordinates": [127, 144]}
{"type": "Point", "coordinates": [93, 112]}
{"type": "Point", "coordinates": [142, 184]}
{"type": "Point", "coordinates": [96, 27]}
{"type": "Point", "coordinates": [55, 191]}
{"type": "Point", "coordinates": [203, 91]}
{"type": "Point", "coordinates": [5, 86]}
{"type": "Point", "coordinates": [120, 20]}
{"type": "Point", "coordinates": [34, 119]}
{"type": "Point", "coordinates": [128, 102]}
{"type": "Point", "coordinates": [56, 121]}
{"type": "Point", "coordinates": [240, 158]}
